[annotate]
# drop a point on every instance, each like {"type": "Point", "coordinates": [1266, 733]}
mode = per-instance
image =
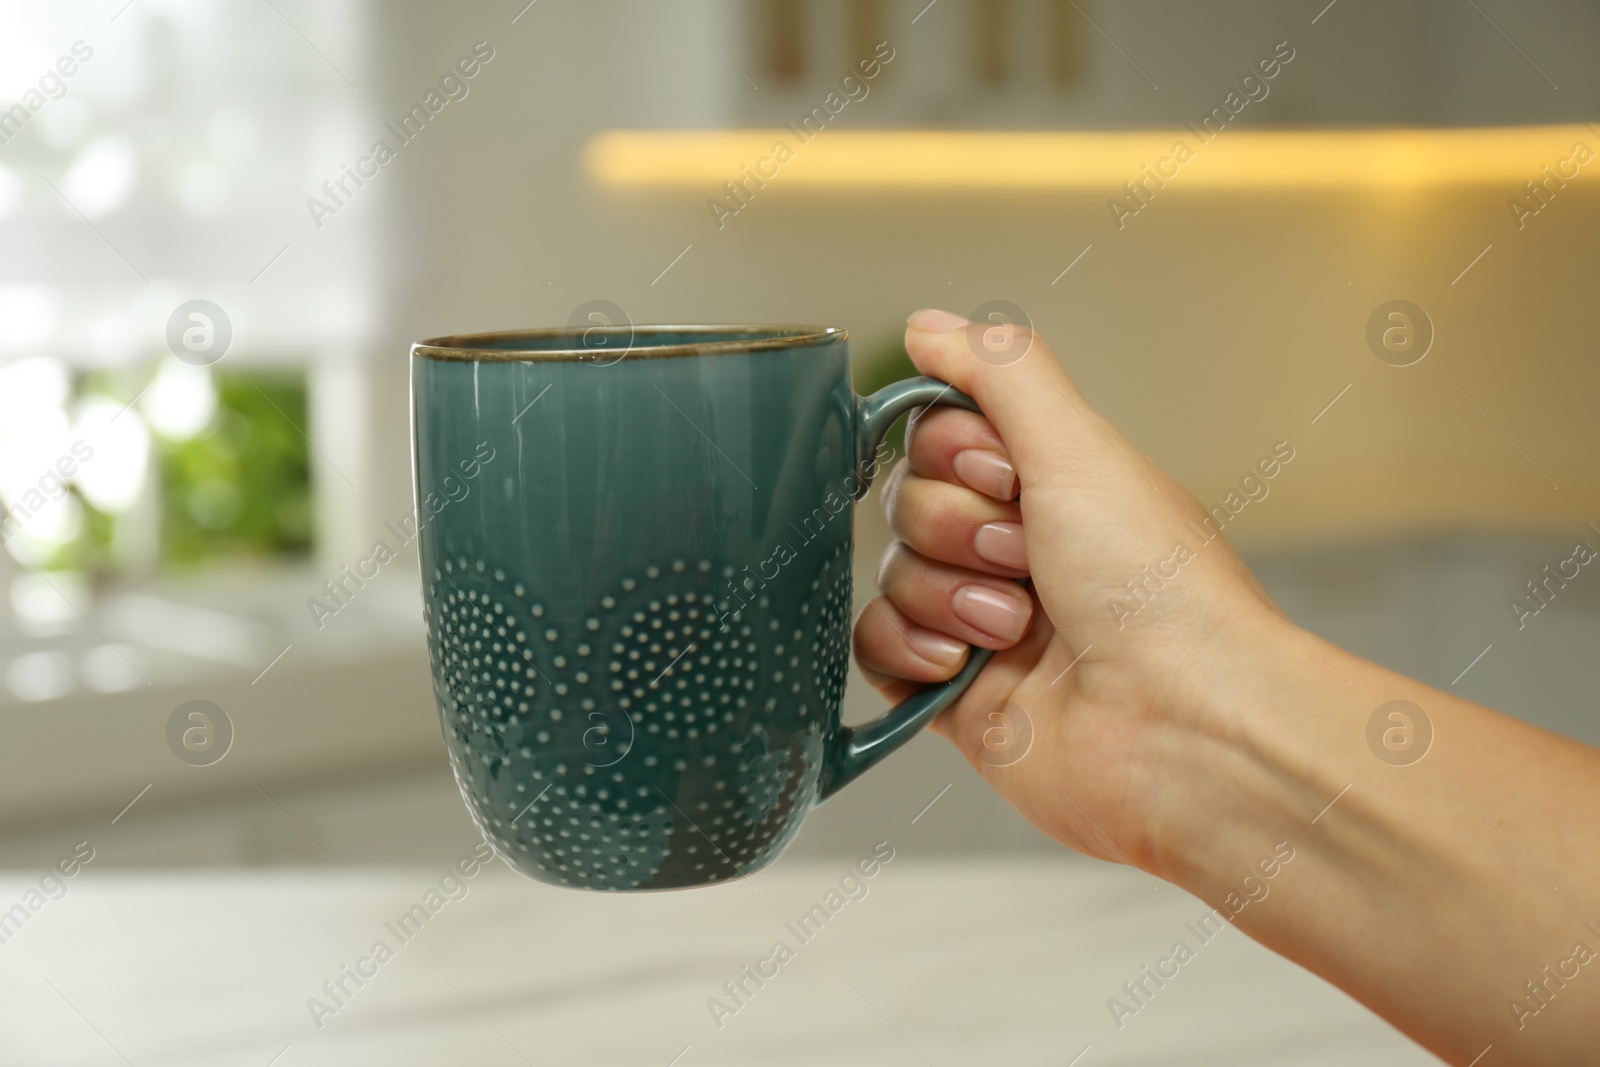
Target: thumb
{"type": "Point", "coordinates": [1048, 428]}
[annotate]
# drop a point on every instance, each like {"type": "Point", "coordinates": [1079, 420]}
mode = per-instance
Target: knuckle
{"type": "Point", "coordinates": [914, 424]}
{"type": "Point", "coordinates": [924, 513]}
{"type": "Point", "coordinates": [891, 488]}
{"type": "Point", "coordinates": [890, 564]}
{"type": "Point", "coordinates": [865, 636]}
{"type": "Point", "coordinates": [948, 431]}
{"type": "Point", "coordinates": [906, 578]}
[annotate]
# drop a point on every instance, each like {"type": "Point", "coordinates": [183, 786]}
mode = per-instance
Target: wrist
{"type": "Point", "coordinates": [1371, 864]}
{"type": "Point", "coordinates": [1256, 754]}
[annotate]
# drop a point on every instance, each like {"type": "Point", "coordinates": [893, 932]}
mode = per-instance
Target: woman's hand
{"type": "Point", "coordinates": [1181, 723]}
{"type": "Point", "coordinates": [1134, 621]}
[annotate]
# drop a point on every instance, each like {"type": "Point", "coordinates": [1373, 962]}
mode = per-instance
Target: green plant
{"type": "Point", "coordinates": [242, 487]}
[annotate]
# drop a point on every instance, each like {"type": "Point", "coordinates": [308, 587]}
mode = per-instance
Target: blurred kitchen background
{"type": "Point", "coordinates": [224, 485]}
{"type": "Point", "coordinates": [1381, 252]}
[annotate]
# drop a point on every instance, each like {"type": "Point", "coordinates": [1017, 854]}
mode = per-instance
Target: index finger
{"type": "Point", "coordinates": [963, 448]}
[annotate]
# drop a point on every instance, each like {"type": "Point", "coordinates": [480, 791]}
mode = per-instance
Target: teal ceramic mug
{"type": "Point", "coordinates": [636, 548]}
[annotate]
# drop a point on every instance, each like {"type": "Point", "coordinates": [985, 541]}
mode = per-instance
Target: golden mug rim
{"type": "Point", "coordinates": [474, 347]}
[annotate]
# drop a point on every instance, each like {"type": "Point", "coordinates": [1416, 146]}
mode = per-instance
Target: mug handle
{"type": "Point", "coordinates": [856, 748]}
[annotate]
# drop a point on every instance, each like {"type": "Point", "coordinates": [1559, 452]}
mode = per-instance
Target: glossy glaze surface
{"type": "Point", "coordinates": [638, 595]}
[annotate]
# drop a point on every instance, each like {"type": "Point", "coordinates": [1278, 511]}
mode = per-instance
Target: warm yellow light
{"type": "Point", "coordinates": [1085, 159]}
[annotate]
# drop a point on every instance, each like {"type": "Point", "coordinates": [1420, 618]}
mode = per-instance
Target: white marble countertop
{"type": "Point", "coordinates": [972, 962]}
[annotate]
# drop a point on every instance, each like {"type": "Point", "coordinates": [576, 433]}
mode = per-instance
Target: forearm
{"type": "Point", "coordinates": [1434, 891]}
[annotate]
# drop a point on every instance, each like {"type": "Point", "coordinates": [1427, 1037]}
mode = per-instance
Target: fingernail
{"type": "Point", "coordinates": [994, 613]}
{"type": "Point", "coordinates": [1001, 543]}
{"type": "Point", "coordinates": [932, 320]}
{"type": "Point", "coordinates": [986, 472]}
{"type": "Point", "coordinates": [939, 649]}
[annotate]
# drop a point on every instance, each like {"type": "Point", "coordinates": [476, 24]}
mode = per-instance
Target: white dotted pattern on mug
{"type": "Point", "coordinates": [573, 739]}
